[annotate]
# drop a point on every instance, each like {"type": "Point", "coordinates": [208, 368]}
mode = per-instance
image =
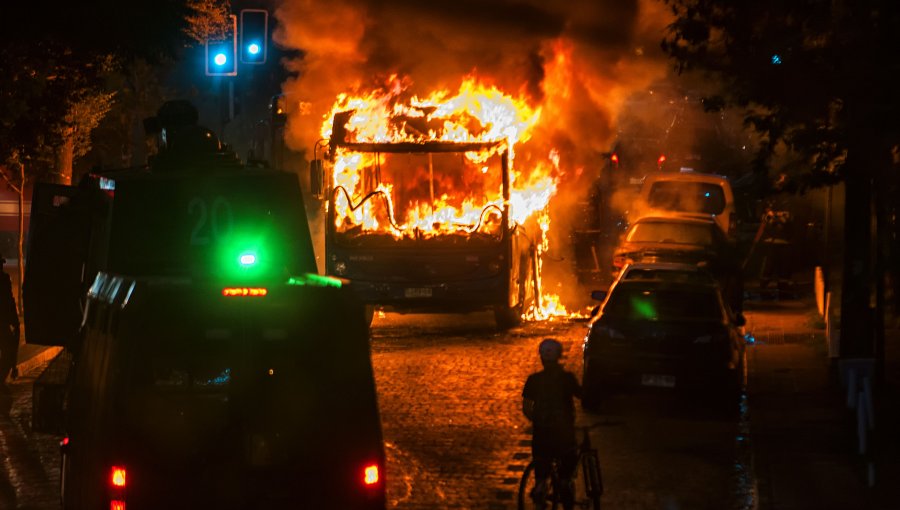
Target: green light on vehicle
{"type": "Point", "coordinates": [315, 280]}
{"type": "Point", "coordinates": [251, 253]}
{"type": "Point", "coordinates": [643, 309]}
{"type": "Point", "coordinates": [247, 259]}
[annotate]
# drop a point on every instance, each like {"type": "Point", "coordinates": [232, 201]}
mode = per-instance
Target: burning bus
{"type": "Point", "coordinates": [425, 211]}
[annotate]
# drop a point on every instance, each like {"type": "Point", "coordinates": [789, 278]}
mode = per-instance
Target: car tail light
{"type": "Point", "coordinates": [371, 475]}
{"type": "Point", "coordinates": [117, 476]}
{"type": "Point", "coordinates": [117, 482]}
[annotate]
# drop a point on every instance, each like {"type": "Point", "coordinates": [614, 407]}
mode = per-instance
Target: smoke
{"type": "Point", "coordinates": [611, 46]}
{"type": "Point", "coordinates": [578, 60]}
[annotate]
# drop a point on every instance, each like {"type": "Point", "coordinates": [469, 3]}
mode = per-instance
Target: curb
{"type": "Point", "coordinates": [41, 357]}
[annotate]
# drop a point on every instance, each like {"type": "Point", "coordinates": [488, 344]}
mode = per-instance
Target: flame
{"type": "Point", "coordinates": [463, 200]}
{"type": "Point", "coordinates": [477, 113]}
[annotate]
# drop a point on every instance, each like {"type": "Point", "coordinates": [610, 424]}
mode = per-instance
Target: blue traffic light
{"type": "Point", "coordinates": [254, 31]}
{"type": "Point", "coordinates": [221, 54]}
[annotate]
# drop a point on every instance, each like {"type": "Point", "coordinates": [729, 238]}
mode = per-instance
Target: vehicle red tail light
{"type": "Point", "coordinates": [371, 475]}
{"type": "Point", "coordinates": [117, 482]}
{"type": "Point", "coordinates": [117, 477]}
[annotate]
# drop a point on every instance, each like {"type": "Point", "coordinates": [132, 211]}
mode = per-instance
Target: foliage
{"type": "Point", "coordinates": [58, 64]}
{"type": "Point", "coordinates": [812, 74]}
{"type": "Point", "coordinates": [208, 19]}
{"type": "Point", "coordinates": [86, 109]}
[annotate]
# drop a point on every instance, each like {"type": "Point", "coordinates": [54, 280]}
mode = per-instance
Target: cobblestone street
{"type": "Point", "coordinates": [449, 390]}
{"type": "Point", "coordinates": [450, 396]}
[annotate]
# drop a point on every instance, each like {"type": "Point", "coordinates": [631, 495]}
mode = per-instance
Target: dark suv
{"type": "Point", "coordinates": [663, 335]}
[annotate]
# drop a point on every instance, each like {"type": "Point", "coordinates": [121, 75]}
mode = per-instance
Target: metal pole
{"type": "Point", "coordinates": [431, 179]}
{"type": "Point", "coordinates": [230, 99]}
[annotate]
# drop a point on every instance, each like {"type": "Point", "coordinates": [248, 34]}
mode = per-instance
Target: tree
{"type": "Point", "coordinates": [208, 19]}
{"type": "Point", "coordinates": [57, 62]}
{"type": "Point", "coordinates": [813, 77]}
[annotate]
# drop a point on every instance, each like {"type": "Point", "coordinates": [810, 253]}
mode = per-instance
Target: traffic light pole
{"type": "Point", "coordinates": [226, 103]}
{"type": "Point", "coordinates": [230, 100]}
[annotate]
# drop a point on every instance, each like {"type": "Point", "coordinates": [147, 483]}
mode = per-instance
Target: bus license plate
{"type": "Point", "coordinates": [417, 292]}
{"type": "Point", "coordinates": [661, 381]}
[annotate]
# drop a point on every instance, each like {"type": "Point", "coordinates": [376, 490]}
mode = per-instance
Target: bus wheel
{"type": "Point", "coordinates": [508, 317]}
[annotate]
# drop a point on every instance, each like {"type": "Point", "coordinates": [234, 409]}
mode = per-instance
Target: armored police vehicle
{"type": "Point", "coordinates": [211, 367]}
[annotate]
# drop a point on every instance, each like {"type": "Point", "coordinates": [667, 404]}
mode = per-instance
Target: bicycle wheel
{"type": "Point", "coordinates": [526, 488]}
{"type": "Point", "coordinates": [593, 478]}
{"type": "Point", "coordinates": [581, 491]}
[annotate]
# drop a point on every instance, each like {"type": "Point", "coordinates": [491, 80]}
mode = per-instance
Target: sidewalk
{"type": "Point", "coordinates": [32, 356]}
{"type": "Point", "coordinates": [803, 434]}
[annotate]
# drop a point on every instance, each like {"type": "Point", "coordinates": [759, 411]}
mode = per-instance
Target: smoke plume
{"type": "Point", "coordinates": [578, 60]}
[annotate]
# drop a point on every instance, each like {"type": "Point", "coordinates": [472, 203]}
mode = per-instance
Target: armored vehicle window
{"type": "Point", "coordinates": [228, 226]}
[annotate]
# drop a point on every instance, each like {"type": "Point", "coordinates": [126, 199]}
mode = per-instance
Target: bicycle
{"type": "Point", "coordinates": [588, 480]}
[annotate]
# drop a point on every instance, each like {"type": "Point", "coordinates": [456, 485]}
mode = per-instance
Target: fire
{"type": "Point", "coordinates": [465, 194]}
{"type": "Point", "coordinates": [477, 113]}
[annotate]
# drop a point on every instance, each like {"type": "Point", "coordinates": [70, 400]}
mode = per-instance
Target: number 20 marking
{"type": "Point", "coordinates": [213, 222]}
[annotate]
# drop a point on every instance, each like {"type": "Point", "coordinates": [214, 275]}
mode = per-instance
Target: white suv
{"type": "Point", "coordinates": [687, 193]}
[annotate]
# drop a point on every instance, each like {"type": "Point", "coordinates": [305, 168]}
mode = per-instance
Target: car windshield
{"type": "Point", "coordinates": [693, 197]}
{"type": "Point", "coordinates": [669, 275]}
{"type": "Point", "coordinates": [663, 304]}
{"type": "Point", "coordinates": [671, 232]}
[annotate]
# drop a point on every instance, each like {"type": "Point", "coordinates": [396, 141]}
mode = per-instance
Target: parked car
{"type": "Point", "coordinates": [688, 193]}
{"type": "Point", "coordinates": [667, 271]}
{"type": "Point", "coordinates": [664, 335]}
{"type": "Point", "coordinates": [671, 239]}
{"type": "Point", "coordinates": [678, 239]}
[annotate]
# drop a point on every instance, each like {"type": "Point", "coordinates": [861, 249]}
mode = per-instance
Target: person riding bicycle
{"type": "Point", "coordinates": [548, 401]}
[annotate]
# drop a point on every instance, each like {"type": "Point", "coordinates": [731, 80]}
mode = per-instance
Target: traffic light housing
{"type": "Point", "coordinates": [254, 35]}
{"type": "Point", "coordinates": [221, 54]}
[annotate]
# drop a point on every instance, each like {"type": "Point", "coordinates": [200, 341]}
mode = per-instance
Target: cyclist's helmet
{"type": "Point", "coordinates": [550, 349]}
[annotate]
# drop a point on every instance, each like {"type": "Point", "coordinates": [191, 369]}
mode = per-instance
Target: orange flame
{"type": "Point", "coordinates": [460, 202]}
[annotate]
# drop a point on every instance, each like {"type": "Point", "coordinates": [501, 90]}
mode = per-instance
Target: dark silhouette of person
{"type": "Point", "coordinates": [548, 401]}
{"type": "Point", "coordinates": [9, 328]}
